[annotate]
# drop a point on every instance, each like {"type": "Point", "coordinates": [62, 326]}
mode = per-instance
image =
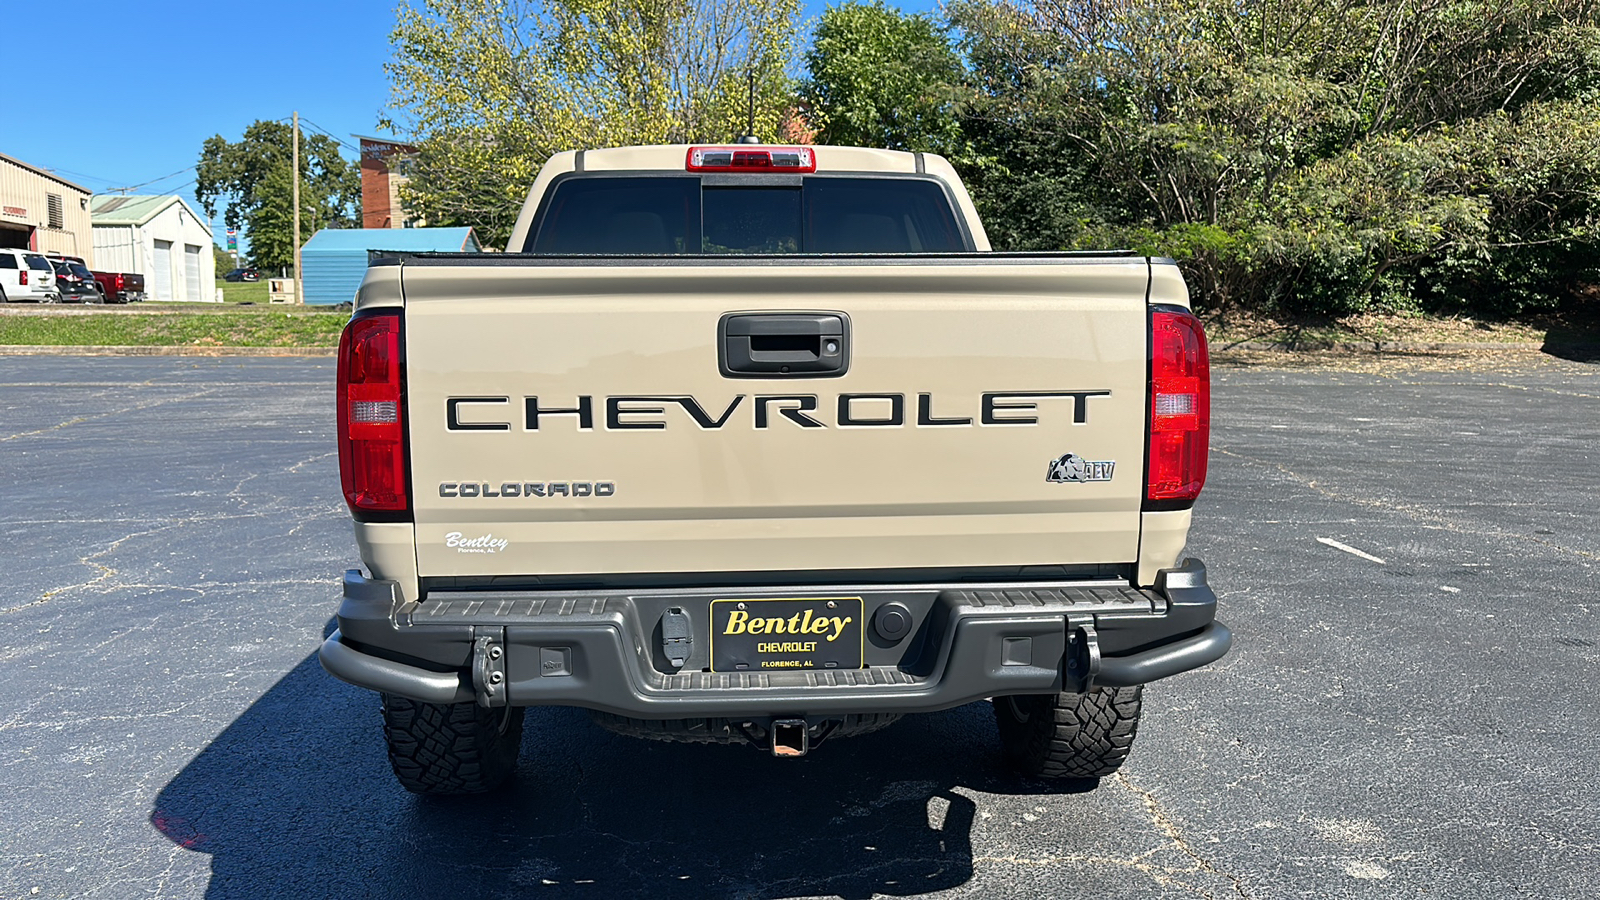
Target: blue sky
{"type": "Point", "coordinates": [192, 70]}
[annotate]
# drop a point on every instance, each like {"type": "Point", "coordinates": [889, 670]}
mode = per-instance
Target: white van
{"type": "Point", "coordinates": [26, 275]}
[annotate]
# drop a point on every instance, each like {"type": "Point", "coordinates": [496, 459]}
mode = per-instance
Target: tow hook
{"type": "Point", "coordinates": [790, 737]}
{"type": "Point", "coordinates": [489, 670]}
{"type": "Point", "coordinates": [1083, 655]}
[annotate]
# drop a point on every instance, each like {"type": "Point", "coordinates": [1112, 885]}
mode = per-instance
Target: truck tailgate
{"type": "Point", "coordinates": [967, 381]}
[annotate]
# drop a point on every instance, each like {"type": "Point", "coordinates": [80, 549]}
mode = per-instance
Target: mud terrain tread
{"type": "Point", "coordinates": [720, 731]}
{"type": "Point", "coordinates": [1070, 735]}
{"type": "Point", "coordinates": [454, 748]}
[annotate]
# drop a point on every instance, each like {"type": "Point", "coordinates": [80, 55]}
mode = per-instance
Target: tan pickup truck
{"type": "Point", "coordinates": [762, 444]}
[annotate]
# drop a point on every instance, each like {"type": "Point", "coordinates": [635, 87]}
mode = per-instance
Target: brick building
{"type": "Point", "coordinates": [380, 183]}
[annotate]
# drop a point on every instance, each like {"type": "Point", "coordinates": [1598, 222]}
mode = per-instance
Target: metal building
{"type": "Point", "coordinates": [41, 211]}
{"type": "Point", "coordinates": [159, 237]}
{"type": "Point", "coordinates": [335, 259]}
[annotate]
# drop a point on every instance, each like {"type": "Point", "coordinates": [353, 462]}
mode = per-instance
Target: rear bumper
{"type": "Point", "coordinates": [601, 649]}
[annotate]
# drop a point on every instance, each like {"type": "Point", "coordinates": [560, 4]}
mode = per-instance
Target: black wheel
{"type": "Point", "coordinates": [456, 748]}
{"type": "Point", "coordinates": [1069, 735]}
{"type": "Point", "coordinates": [3, 296]}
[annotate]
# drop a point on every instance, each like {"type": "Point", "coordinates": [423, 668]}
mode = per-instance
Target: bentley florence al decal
{"type": "Point", "coordinates": [1074, 468]}
{"type": "Point", "coordinates": [486, 544]}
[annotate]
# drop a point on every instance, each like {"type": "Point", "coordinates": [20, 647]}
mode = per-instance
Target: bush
{"type": "Point", "coordinates": [1290, 154]}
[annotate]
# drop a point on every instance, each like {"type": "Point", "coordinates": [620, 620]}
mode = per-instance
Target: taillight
{"type": "Point", "coordinates": [751, 159]}
{"type": "Point", "coordinates": [372, 453]}
{"type": "Point", "coordinates": [119, 282]}
{"type": "Point", "coordinates": [1180, 409]}
{"type": "Point", "coordinates": [22, 276]}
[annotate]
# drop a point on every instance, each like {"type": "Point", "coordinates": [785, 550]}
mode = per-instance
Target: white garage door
{"type": "Point", "coordinates": [191, 273]}
{"type": "Point", "coordinates": [161, 278]}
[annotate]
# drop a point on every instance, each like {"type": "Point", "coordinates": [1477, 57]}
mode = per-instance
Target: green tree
{"type": "Point", "coordinates": [1297, 154]}
{"type": "Point", "coordinates": [880, 78]}
{"type": "Point", "coordinates": [252, 179]}
{"type": "Point", "coordinates": [222, 258]}
{"type": "Point", "coordinates": [488, 89]}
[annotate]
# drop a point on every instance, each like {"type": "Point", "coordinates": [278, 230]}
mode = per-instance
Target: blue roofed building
{"type": "Point", "coordinates": [335, 259]}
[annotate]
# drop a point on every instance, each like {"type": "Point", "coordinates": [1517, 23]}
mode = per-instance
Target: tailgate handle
{"type": "Point", "coordinates": [770, 345]}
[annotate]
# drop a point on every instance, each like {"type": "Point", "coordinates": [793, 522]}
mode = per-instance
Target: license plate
{"type": "Point", "coordinates": [779, 635]}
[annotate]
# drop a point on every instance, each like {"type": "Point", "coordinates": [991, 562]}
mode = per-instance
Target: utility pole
{"type": "Point", "coordinates": [299, 290]}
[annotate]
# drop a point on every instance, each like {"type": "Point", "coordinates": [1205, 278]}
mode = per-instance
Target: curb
{"type": "Point", "coordinates": [111, 350]}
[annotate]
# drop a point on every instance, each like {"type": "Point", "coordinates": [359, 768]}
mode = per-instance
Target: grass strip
{"type": "Point", "coordinates": [232, 329]}
{"type": "Point", "coordinates": [244, 292]}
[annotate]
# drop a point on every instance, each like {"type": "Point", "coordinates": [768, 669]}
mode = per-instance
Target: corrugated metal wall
{"type": "Point", "coordinates": [332, 276]}
{"type": "Point", "coordinates": [28, 191]}
{"type": "Point", "coordinates": [116, 248]}
{"type": "Point", "coordinates": [335, 259]}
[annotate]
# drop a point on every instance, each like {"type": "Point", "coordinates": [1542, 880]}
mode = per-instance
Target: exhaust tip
{"type": "Point", "coordinates": [790, 738]}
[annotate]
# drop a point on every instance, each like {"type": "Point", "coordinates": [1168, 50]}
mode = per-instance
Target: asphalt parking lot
{"type": "Point", "coordinates": [1407, 557]}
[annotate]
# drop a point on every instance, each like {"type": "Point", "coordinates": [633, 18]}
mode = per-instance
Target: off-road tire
{"type": "Point", "coordinates": [1069, 735]}
{"type": "Point", "coordinates": [455, 748]}
{"type": "Point", "coordinates": [721, 731]}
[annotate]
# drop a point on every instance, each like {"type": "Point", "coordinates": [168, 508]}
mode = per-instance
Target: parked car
{"type": "Point", "coordinates": [114, 287]}
{"type": "Point", "coordinates": [77, 283]}
{"type": "Point", "coordinates": [26, 276]}
{"type": "Point", "coordinates": [66, 275]}
{"type": "Point", "coordinates": [242, 275]}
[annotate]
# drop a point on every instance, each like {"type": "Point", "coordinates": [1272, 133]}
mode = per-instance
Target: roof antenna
{"type": "Point", "coordinates": [749, 136]}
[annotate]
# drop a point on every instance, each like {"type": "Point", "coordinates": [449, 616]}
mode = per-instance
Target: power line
{"type": "Point", "coordinates": [341, 141]}
{"type": "Point", "coordinates": [80, 175]}
{"type": "Point", "coordinates": [58, 170]}
{"type": "Point", "coordinates": [129, 190]}
{"type": "Point", "coordinates": [305, 121]}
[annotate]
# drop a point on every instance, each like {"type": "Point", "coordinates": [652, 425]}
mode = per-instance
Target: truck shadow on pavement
{"type": "Point", "coordinates": [295, 798]}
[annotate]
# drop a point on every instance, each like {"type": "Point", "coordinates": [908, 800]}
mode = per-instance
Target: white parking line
{"type": "Point", "coordinates": [1349, 549]}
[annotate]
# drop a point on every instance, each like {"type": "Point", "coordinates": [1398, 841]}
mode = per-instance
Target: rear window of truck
{"type": "Point", "coordinates": [677, 215]}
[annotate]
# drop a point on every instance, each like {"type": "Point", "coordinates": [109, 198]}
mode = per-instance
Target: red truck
{"type": "Point", "coordinates": [115, 287]}
{"type": "Point", "coordinates": [120, 287]}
